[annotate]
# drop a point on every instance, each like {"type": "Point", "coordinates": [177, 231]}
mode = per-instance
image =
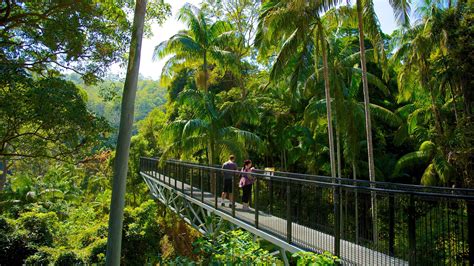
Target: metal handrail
{"type": "Point", "coordinates": [377, 186]}
{"type": "Point", "coordinates": [349, 180]}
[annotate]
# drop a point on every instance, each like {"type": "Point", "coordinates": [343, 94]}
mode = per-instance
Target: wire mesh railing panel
{"type": "Point", "coordinates": [273, 205]}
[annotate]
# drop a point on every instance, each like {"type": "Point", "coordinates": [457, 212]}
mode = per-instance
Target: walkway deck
{"type": "Point", "coordinates": [274, 229]}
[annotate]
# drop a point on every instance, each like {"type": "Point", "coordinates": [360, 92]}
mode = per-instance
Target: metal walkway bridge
{"type": "Point", "coordinates": [415, 225]}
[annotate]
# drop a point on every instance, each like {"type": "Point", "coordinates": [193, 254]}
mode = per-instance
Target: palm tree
{"type": "Point", "coordinates": [366, 17]}
{"type": "Point", "coordinates": [300, 21]}
{"type": "Point", "coordinates": [209, 129]}
{"type": "Point", "coordinates": [195, 47]}
{"type": "Point", "coordinates": [114, 241]}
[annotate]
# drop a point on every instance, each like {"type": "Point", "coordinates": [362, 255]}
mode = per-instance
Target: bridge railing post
{"type": "Point", "coordinates": [337, 215]}
{"type": "Point", "coordinates": [270, 189]}
{"type": "Point", "coordinates": [215, 191]}
{"type": "Point", "coordinates": [256, 200]}
{"type": "Point", "coordinates": [202, 185]}
{"type": "Point", "coordinates": [288, 213]}
{"type": "Point", "coordinates": [191, 180]}
{"type": "Point", "coordinates": [148, 167]}
{"type": "Point", "coordinates": [175, 175]}
{"type": "Point", "coordinates": [183, 176]}
{"type": "Point", "coordinates": [141, 164]}
{"type": "Point", "coordinates": [233, 195]}
{"type": "Point", "coordinates": [166, 173]}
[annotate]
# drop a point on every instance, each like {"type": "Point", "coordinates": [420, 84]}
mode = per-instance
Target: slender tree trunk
{"type": "Point", "coordinates": [368, 123]}
{"type": "Point", "coordinates": [339, 175]}
{"type": "Point", "coordinates": [211, 164]}
{"type": "Point", "coordinates": [338, 151]}
{"type": "Point", "coordinates": [328, 99]}
{"type": "Point", "coordinates": [114, 241]}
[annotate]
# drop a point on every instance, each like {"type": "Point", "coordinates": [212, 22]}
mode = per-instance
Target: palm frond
{"type": "Point", "coordinates": [195, 127]}
{"type": "Point", "coordinates": [191, 16]}
{"type": "Point", "coordinates": [401, 135]}
{"type": "Point", "coordinates": [173, 130]}
{"type": "Point", "coordinates": [385, 115]}
{"type": "Point", "coordinates": [287, 51]}
{"type": "Point", "coordinates": [190, 97]}
{"type": "Point", "coordinates": [227, 147]}
{"type": "Point", "coordinates": [444, 169]}
{"type": "Point", "coordinates": [410, 161]}
{"type": "Point", "coordinates": [168, 70]}
{"type": "Point", "coordinates": [402, 10]}
{"type": "Point", "coordinates": [374, 80]}
{"type": "Point", "coordinates": [429, 177]}
{"type": "Point", "coordinates": [193, 144]}
{"type": "Point", "coordinates": [220, 27]}
{"type": "Point", "coordinates": [178, 43]}
{"type": "Point", "coordinates": [241, 111]}
{"type": "Point", "coordinates": [406, 110]}
{"type": "Point", "coordinates": [249, 139]}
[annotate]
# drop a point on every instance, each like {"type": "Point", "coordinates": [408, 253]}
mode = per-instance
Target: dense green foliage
{"type": "Point", "coordinates": [45, 117]}
{"type": "Point", "coordinates": [238, 247]}
{"type": "Point", "coordinates": [250, 78]}
{"type": "Point", "coordinates": [416, 94]}
{"type": "Point", "coordinates": [235, 248]}
{"type": "Point", "coordinates": [62, 216]}
{"type": "Point", "coordinates": [309, 258]}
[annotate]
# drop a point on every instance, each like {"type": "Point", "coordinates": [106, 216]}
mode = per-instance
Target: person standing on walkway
{"type": "Point", "coordinates": [227, 190]}
{"type": "Point", "coordinates": [245, 183]}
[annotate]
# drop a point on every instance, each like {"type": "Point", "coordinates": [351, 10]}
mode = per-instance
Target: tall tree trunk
{"type": "Point", "coordinates": [211, 161]}
{"type": "Point", "coordinates": [368, 123]}
{"type": "Point", "coordinates": [114, 241]}
{"type": "Point", "coordinates": [328, 99]}
{"type": "Point", "coordinates": [338, 151]}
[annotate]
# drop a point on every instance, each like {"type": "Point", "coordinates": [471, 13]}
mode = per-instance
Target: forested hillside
{"type": "Point", "coordinates": [104, 98]}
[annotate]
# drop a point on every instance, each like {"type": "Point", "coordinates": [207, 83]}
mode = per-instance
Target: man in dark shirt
{"type": "Point", "coordinates": [227, 191]}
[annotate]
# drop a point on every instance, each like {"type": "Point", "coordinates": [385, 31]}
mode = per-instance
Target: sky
{"type": "Point", "coordinates": [152, 69]}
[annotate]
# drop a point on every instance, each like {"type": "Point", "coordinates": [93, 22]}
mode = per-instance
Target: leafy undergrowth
{"type": "Point", "coordinates": [238, 247]}
{"type": "Point", "coordinates": [62, 218]}
{"type": "Point", "coordinates": [304, 258]}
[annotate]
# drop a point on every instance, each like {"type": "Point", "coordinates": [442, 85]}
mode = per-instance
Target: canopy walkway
{"type": "Point", "coordinates": [415, 225]}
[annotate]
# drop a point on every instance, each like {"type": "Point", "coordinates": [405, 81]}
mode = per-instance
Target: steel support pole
{"type": "Point", "coordinates": [337, 229]}
{"type": "Point", "coordinates": [256, 201]}
{"type": "Point", "coordinates": [288, 213]}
